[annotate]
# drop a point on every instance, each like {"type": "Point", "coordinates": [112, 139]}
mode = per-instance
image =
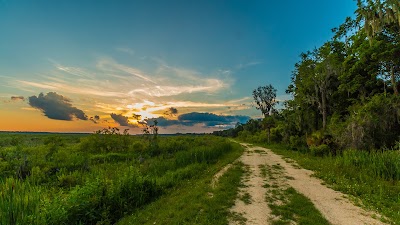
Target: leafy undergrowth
{"type": "Point", "coordinates": [99, 178]}
{"type": "Point", "coordinates": [194, 202]}
{"type": "Point", "coordinates": [357, 174]}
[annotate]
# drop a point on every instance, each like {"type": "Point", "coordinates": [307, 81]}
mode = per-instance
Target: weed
{"type": "Point", "coordinates": [246, 198]}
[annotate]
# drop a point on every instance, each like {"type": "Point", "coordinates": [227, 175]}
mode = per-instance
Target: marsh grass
{"type": "Point", "coordinates": [19, 202]}
{"type": "Point", "coordinates": [88, 180]}
{"type": "Point", "coordinates": [195, 201]}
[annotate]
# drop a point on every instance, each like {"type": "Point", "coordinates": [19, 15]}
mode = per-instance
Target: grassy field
{"type": "Point", "coordinates": [104, 177]}
{"type": "Point", "coordinates": [370, 178]}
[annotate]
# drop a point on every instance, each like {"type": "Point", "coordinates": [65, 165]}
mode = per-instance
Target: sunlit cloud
{"type": "Point", "coordinates": [71, 89]}
{"type": "Point", "coordinates": [126, 95]}
{"type": "Point", "coordinates": [112, 79]}
{"type": "Point", "coordinates": [108, 65]}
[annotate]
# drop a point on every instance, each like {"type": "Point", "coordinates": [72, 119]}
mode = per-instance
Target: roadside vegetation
{"type": "Point", "coordinates": [343, 118]}
{"type": "Point", "coordinates": [103, 177]}
{"type": "Point", "coordinates": [287, 205]}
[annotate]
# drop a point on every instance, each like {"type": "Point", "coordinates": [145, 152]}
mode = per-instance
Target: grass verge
{"type": "Point", "coordinates": [195, 201]}
{"type": "Point", "coordinates": [346, 174]}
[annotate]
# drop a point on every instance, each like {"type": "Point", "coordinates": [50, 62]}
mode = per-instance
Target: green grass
{"type": "Point", "coordinates": [246, 198]}
{"type": "Point", "coordinates": [287, 205]}
{"type": "Point", "coordinates": [370, 179]}
{"type": "Point", "coordinates": [99, 179]}
{"type": "Point", "coordinates": [195, 202]}
{"type": "Point", "coordinates": [297, 208]}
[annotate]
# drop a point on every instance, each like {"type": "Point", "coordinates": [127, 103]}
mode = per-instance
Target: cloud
{"type": "Point", "coordinates": [163, 122]}
{"type": "Point", "coordinates": [211, 119]}
{"type": "Point", "coordinates": [56, 107]}
{"type": "Point", "coordinates": [112, 66]}
{"type": "Point", "coordinates": [17, 98]}
{"type": "Point", "coordinates": [207, 119]}
{"type": "Point", "coordinates": [126, 50]}
{"type": "Point", "coordinates": [122, 120]}
{"type": "Point", "coordinates": [95, 119]}
{"type": "Point", "coordinates": [249, 64]}
{"type": "Point", "coordinates": [171, 111]}
{"type": "Point", "coordinates": [112, 79]}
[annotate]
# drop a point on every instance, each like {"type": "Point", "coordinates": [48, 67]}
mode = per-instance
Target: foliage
{"type": "Point", "coordinates": [87, 180]}
{"type": "Point", "coordinates": [19, 202]}
{"type": "Point", "coordinates": [208, 205]}
{"type": "Point", "coordinates": [265, 98]}
{"type": "Point", "coordinates": [373, 125]}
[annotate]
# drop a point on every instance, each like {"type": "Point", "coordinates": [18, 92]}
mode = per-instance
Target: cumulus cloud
{"type": "Point", "coordinates": [56, 107]}
{"type": "Point", "coordinates": [17, 98]}
{"type": "Point", "coordinates": [207, 119]}
{"type": "Point", "coordinates": [121, 120]}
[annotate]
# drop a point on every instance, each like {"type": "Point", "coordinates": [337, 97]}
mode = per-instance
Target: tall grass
{"type": "Point", "coordinates": [82, 182]}
{"type": "Point", "coordinates": [384, 165]}
{"type": "Point", "coordinates": [19, 202]}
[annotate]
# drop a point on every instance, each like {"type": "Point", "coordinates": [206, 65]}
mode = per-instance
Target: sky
{"type": "Point", "coordinates": [80, 65]}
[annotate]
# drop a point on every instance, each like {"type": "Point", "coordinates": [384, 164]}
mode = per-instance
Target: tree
{"type": "Point", "coordinates": [265, 98]}
{"type": "Point", "coordinates": [268, 123]}
{"type": "Point", "coordinates": [382, 17]}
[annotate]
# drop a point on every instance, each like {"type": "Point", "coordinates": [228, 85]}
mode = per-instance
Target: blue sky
{"type": "Point", "coordinates": [144, 57]}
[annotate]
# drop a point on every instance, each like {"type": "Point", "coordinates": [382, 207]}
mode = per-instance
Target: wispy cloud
{"type": "Point", "coordinates": [113, 87]}
{"type": "Point", "coordinates": [113, 79]}
{"type": "Point", "coordinates": [69, 88]}
{"type": "Point", "coordinates": [125, 50]}
{"type": "Point", "coordinates": [76, 71]}
{"type": "Point", "coordinates": [109, 65]}
{"type": "Point", "coordinates": [248, 64]}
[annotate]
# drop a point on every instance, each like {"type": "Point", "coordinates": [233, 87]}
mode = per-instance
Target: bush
{"type": "Point", "coordinates": [297, 143]}
{"type": "Point", "coordinates": [373, 125]}
{"type": "Point", "coordinates": [320, 150]}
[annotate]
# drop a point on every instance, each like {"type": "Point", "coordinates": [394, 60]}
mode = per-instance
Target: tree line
{"type": "Point", "coordinates": [345, 93]}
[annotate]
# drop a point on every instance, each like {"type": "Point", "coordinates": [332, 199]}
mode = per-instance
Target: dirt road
{"type": "Point", "coordinates": [252, 205]}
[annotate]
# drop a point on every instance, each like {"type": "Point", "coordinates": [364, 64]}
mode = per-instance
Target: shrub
{"type": "Point", "coordinates": [374, 124]}
{"type": "Point", "coordinates": [297, 143]}
{"type": "Point", "coordinates": [320, 150]}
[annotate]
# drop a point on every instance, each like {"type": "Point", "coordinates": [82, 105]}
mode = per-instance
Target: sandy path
{"type": "Point", "coordinates": [333, 206]}
{"type": "Point", "coordinates": [257, 212]}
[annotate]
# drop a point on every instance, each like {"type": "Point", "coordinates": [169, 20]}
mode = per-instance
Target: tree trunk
{"type": "Point", "coordinates": [393, 80]}
{"type": "Point", "coordinates": [323, 108]}
{"type": "Point", "coordinates": [316, 121]}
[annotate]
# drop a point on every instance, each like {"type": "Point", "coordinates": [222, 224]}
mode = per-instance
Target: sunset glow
{"type": "Point", "coordinates": [82, 66]}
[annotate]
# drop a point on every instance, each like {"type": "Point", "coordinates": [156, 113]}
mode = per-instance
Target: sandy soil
{"type": "Point", "coordinates": [257, 211]}
{"type": "Point", "coordinates": [332, 204]}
